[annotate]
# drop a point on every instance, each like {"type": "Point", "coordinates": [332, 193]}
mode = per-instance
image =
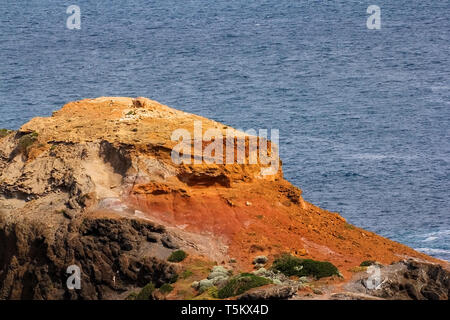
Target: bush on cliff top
{"type": "Point", "coordinates": [26, 141]}
{"type": "Point", "coordinates": [4, 132]}
{"type": "Point", "coordinates": [240, 284]}
{"type": "Point", "coordinates": [293, 266]}
{"type": "Point", "coordinates": [177, 256]}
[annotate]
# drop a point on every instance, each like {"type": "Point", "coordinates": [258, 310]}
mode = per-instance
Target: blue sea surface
{"type": "Point", "coordinates": [364, 115]}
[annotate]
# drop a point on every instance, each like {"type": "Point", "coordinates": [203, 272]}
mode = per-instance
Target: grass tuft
{"type": "Point", "coordinates": [177, 256]}
{"type": "Point", "coordinates": [186, 274]}
{"type": "Point", "coordinates": [4, 132]}
{"type": "Point", "coordinates": [146, 292]}
{"type": "Point", "coordinates": [166, 288]}
{"type": "Point", "coordinates": [26, 141]}
{"type": "Point", "coordinates": [367, 263]}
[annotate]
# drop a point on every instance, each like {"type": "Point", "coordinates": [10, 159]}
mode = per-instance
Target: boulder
{"type": "Point", "coordinates": [409, 279]}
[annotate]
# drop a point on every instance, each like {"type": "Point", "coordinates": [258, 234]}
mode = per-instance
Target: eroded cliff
{"type": "Point", "coordinates": [95, 185]}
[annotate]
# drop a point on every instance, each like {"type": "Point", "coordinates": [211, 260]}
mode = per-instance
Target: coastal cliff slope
{"type": "Point", "coordinates": [95, 185]}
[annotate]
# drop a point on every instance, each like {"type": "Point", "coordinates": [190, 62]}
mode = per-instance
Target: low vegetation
{"type": "Point", "coordinates": [186, 274]}
{"type": "Point", "coordinates": [209, 294]}
{"type": "Point", "coordinates": [26, 141]}
{"type": "Point", "coordinates": [195, 268]}
{"type": "Point", "coordinates": [4, 132]}
{"type": "Point", "coordinates": [293, 266]}
{"type": "Point", "coordinates": [357, 269]}
{"type": "Point", "coordinates": [367, 263]}
{"type": "Point", "coordinates": [146, 293]}
{"type": "Point", "coordinates": [240, 284]}
{"type": "Point", "coordinates": [177, 256]}
{"type": "Point", "coordinates": [174, 278]}
{"type": "Point", "coordinates": [166, 288]}
{"type": "Point", "coordinates": [213, 292]}
{"type": "Point", "coordinates": [132, 296]}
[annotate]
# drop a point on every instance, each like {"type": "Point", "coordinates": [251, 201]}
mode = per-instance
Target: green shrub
{"type": "Point", "coordinates": [26, 141]}
{"type": "Point", "coordinates": [240, 284]}
{"type": "Point", "coordinates": [174, 278]}
{"type": "Point", "coordinates": [293, 266]}
{"type": "Point", "coordinates": [4, 132]}
{"type": "Point", "coordinates": [367, 263]}
{"type": "Point", "coordinates": [146, 292]}
{"type": "Point", "coordinates": [166, 288]}
{"type": "Point", "coordinates": [186, 274]}
{"type": "Point", "coordinates": [213, 292]}
{"type": "Point", "coordinates": [132, 296]}
{"type": "Point", "coordinates": [177, 256]}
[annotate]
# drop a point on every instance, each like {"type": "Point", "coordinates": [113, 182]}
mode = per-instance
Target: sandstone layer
{"type": "Point", "coordinates": [94, 185]}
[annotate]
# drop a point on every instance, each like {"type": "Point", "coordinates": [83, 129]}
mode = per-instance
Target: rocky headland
{"type": "Point", "coordinates": [95, 186]}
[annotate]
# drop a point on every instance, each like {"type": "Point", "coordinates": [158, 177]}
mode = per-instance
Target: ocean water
{"type": "Point", "coordinates": [364, 115]}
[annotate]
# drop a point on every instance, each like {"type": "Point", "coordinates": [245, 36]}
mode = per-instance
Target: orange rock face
{"type": "Point", "coordinates": [257, 218]}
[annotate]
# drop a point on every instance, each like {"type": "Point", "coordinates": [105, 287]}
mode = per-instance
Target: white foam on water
{"type": "Point", "coordinates": [437, 234]}
{"type": "Point", "coordinates": [433, 251]}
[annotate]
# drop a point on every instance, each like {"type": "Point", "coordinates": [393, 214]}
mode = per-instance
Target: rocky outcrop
{"type": "Point", "coordinates": [34, 257]}
{"type": "Point", "coordinates": [406, 280]}
{"type": "Point", "coordinates": [96, 185]}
